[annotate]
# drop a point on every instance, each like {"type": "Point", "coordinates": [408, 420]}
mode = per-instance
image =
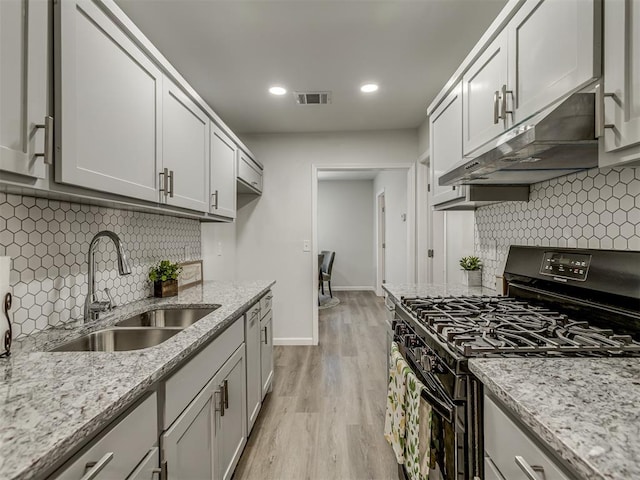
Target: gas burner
{"type": "Point", "coordinates": [484, 325]}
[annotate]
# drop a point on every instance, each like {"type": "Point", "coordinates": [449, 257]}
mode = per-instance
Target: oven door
{"type": "Point", "coordinates": [449, 445]}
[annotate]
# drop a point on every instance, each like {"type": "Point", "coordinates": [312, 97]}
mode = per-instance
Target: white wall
{"type": "Point", "coordinates": [218, 251]}
{"type": "Point", "coordinates": [345, 225]}
{"type": "Point", "coordinates": [270, 231]}
{"type": "Point", "coordinates": [394, 185]}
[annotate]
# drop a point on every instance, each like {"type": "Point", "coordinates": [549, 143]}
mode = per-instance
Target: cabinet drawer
{"type": "Point", "coordinates": [265, 304]}
{"type": "Point", "coordinates": [129, 441]}
{"type": "Point", "coordinates": [183, 386]}
{"type": "Point", "coordinates": [504, 441]}
{"type": "Point", "coordinates": [249, 173]}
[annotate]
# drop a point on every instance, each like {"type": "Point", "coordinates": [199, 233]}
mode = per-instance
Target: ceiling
{"type": "Point", "coordinates": [231, 51]}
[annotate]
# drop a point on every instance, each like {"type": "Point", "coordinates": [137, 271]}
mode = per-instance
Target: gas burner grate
{"type": "Point", "coordinates": [483, 325]}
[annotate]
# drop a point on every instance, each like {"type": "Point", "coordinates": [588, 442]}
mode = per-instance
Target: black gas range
{"type": "Point", "coordinates": [559, 302]}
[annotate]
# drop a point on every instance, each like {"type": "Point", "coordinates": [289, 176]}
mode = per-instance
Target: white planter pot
{"type": "Point", "coordinates": [472, 278]}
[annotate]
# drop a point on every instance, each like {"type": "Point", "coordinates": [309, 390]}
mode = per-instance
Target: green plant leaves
{"type": "Point", "coordinates": [165, 270]}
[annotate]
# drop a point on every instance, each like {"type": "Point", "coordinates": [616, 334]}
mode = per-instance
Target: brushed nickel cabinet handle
{"type": "Point", "coordinates": [226, 394]}
{"type": "Point", "coordinates": [92, 469]}
{"type": "Point", "coordinates": [48, 140]}
{"type": "Point", "coordinates": [504, 103]}
{"type": "Point", "coordinates": [217, 196]}
{"type": "Point", "coordinates": [266, 337]}
{"type": "Point", "coordinates": [171, 183]}
{"type": "Point", "coordinates": [496, 107]}
{"type": "Point", "coordinates": [164, 178]}
{"type": "Point", "coordinates": [529, 470]}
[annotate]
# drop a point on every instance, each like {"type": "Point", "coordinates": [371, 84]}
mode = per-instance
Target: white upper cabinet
{"type": "Point", "coordinates": [24, 86]}
{"type": "Point", "coordinates": [108, 105]}
{"type": "Point", "coordinates": [549, 49]}
{"type": "Point", "coordinates": [622, 76]}
{"type": "Point", "coordinates": [446, 145]}
{"type": "Point", "coordinates": [185, 151]}
{"type": "Point", "coordinates": [552, 52]}
{"type": "Point", "coordinates": [482, 84]}
{"type": "Point", "coordinates": [222, 180]}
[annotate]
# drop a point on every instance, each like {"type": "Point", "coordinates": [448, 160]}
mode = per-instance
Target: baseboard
{"type": "Point", "coordinates": [293, 341]}
{"type": "Point", "coordinates": [348, 289]}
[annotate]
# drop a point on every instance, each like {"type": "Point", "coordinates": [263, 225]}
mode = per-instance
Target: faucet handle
{"type": "Point", "coordinates": [108, 293]}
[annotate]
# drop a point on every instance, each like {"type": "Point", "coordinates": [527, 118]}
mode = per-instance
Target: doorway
{"type": "Point", "coordinates": [381, 241]}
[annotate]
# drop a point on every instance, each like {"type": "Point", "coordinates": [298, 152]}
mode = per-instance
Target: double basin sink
{"type": "Point", "coordinates": [144, 330]}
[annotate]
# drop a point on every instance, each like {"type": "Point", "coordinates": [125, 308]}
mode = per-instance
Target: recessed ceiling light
{"type": "Point", "coordinates": [369, 88]}
{"type": "Point", "coordinates": [277, 90]}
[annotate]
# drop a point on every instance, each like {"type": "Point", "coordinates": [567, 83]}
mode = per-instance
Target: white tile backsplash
{"type": "Point", "coordinates": [598, 208]}
{"type": "Point", "coordinates": [48, 241]}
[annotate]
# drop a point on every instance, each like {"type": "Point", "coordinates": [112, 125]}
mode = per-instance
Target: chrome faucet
{"type": "Point", "coordinates": [93, 307]}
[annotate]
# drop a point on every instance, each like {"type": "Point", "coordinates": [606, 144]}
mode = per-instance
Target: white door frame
{"type": "Point", "coordinates": [381, 236]}
{"type": "Point", "coordinates": [314, 221]}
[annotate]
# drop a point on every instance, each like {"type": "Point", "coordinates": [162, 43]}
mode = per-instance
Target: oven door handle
{"type": "Point", "coordinates": [443, 409]}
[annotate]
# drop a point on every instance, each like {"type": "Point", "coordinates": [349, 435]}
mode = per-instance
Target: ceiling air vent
{"type": "Point", "coordinates": [312, 98]}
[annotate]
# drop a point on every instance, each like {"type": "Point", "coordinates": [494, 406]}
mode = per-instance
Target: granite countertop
{"type": "Point", "coordinates": [434, 290]}
{"type": "Point", "coordinates": [51, 403]}
{"type": "Point", "coordinates": [587, 410]}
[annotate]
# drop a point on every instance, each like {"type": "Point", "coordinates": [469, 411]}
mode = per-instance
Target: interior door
{"type": "Point", "coordinates": [382, 245]}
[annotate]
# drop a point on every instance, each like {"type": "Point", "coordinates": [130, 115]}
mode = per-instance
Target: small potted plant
{"type": "Point", "coordinates": [164, 276]}
{"type": "Point", "coordinates": [472, 271]}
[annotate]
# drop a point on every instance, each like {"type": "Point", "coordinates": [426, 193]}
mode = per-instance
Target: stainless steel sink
{"type": "Point", "coordinates": [167, 317]}
{"type": "Point", "coordinates": [118, 339]}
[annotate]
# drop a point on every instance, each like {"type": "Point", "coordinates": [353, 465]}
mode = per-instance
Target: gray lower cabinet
{"type": "Point", "coordinates": [254, 373]}
{"type": "Point", "coordinates": [189, 443]}
{"type": "Point", "coordinates": [148, 468]}
{"type": "Point", "coordinates": [120, 452]}
{"type": "Point", "coordinates": [266, 352]}
{"type": "Point", "coordinates": [208, 437]}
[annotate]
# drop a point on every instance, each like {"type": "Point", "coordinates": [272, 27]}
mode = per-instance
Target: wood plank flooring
{"type": "Point", "coordinates": [325, 416]}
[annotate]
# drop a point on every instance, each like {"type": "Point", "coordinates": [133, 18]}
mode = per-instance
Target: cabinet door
{"type": "Point", "coordinates": [108, 99]}
{"type": "Point", "coordinates": [222, 181]}
{"type": "Point", "coordinates": [545, 68]}
{"type": "Point", "coordinates": [446, 144]}
{"type": "Point", "coordinates": [621, 73]}
{"type": "Point", "coordinates": [148, 469]}
{"type": "Point", "coordinates": [24, 80]}
{"type": "Point", "coordinates": [266, 352]}
{"type": "Point", "coordinates": [117, 453]}
{"type": "Point", "coordinates": [188, 445]}
{"type": "Point", "coordinates": [481, 89]}
{"type": "Point", "coordinates": [232, 436]}
{"type": "Point", "coordinates": [254, 373]}
{"type": "Point", "coordinates": [185, 150]}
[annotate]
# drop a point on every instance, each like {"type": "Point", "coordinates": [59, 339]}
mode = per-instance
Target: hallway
{"type": "Point", "coordinates": [324, 418]}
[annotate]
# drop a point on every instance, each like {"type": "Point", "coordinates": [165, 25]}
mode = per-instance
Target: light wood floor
{"type": "Point", "coordinates": [325, 416]}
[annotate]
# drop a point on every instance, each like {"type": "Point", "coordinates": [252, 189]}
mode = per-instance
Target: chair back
{"type": "Point", "coordinates": [327, 261]}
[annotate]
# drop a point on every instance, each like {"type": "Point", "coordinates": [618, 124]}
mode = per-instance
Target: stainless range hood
{"type": "Point", "coordinates": [550, 145]}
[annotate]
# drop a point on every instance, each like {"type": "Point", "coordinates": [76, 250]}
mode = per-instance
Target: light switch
{"type": "Point", "coordinates": [306, 246]}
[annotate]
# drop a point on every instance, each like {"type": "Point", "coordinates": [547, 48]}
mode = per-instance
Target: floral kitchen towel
{"type": "Point", "coordinates": [424, 437]}
{"type": "Point", "coordinates": [416, 442]}
{"type": "Point", "coordinates": [394, 423]}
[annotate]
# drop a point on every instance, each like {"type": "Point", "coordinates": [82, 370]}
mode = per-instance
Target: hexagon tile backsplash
{"type": "Point", "coordinates": [599, 208]}
{"type": "Point", "coordinates": [48, 242]}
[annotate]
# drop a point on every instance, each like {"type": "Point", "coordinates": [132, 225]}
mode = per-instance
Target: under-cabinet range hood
{"type": "Point", "coordinates": [549, 145]}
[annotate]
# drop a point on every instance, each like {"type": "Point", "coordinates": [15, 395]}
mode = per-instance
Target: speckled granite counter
{"type": "Point", "coordinates": [50, 403]}
{"type": "Point", "coordinates": [586, 410]}
{"type": "Point", "coordinates": [432, 290]}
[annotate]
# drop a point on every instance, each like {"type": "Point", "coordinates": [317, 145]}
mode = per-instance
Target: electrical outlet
{"type": "Point", "coordinates": [306, 245]}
